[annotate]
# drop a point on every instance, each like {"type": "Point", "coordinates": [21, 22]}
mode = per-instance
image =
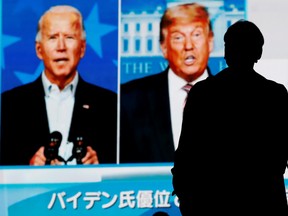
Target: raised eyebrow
{"type": "Point", "coordinates": [52, 34]}
{"type": "Point", "coordinates": [177, 32]}
{"type": "Point", "coordinates": [70, 35]}
{"type": "Point", "coordinates": [198, 28]}
{"type": "Point", "coordinates": [65, 34]}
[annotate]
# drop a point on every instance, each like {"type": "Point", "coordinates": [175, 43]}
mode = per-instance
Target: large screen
{"type": "Point", "coordinates": [122, 46]}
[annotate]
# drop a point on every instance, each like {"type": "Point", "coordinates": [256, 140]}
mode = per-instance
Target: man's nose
{"type": "Point", "coordinates": [61, 43]}
{"type": "Point", "coordinates": [189, 44]}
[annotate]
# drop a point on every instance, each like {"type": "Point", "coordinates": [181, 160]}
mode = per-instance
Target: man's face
{"type": "Point", "coordinates": [61, 46]}
{"type": "Point", "coordinates": [187, 45]}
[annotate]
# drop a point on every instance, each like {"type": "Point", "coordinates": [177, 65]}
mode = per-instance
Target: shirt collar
{"type": "Point", "coordinates": [177, 82]}
{"type": "Point", "coordinates": [48, 86]}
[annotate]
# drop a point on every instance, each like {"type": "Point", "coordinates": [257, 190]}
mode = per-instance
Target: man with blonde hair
{"type": "Point", "coordinates": [152, 107]}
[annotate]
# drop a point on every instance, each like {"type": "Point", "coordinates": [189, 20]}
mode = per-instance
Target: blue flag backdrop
{"type": "Point", "coordinates": [20, 64]}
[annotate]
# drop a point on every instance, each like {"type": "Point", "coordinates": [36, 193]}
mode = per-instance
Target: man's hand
{"type": "Point", "coordinates": [38, 158]}
{"type": "Point", "coordinates": [90, 157]}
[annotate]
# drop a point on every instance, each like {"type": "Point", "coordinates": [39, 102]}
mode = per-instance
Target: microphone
{"type": "Point", "coordinates": [52, 147]}
{"type": "Point", "coordinates": [79, 149]}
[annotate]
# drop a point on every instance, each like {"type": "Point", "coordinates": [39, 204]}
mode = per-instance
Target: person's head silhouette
{"type": "Point", "coordinates": [160, 213]}
{"type": "Point", "coordinates": [243, 44]}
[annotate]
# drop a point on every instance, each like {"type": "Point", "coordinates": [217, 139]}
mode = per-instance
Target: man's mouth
{"type": "Point", "coordinates": [61, 60]}
{"type": "Point", "coordinates": [189, 59]}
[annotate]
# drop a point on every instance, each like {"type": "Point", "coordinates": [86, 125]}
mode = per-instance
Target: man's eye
{"type": "Point", "coordinates": [177, 38]}
{"type": "Point", "coordinates": [197, 34]}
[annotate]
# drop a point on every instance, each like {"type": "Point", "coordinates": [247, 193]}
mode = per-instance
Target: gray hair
{"type": "Point", "coordinates": [60, 9]}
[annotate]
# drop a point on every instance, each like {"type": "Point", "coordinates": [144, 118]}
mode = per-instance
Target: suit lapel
{"type": "Point", "coordinates": [161, 115]}
{"type": "Point", "coordinates": [39, 107]}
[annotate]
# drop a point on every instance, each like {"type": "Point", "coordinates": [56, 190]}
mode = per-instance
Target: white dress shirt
{"type": "Point", "coordinates": [59, 105]}
{"type": "Point", "coordinates": [177, 97]}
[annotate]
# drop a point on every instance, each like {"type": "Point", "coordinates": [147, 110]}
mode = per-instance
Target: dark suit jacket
{"type": "Point", "coordinates": [146, 131]}
{"type": "Point", "coordinates": [25, 127]}
{"type": "Point", "coordinates": [237, 167]}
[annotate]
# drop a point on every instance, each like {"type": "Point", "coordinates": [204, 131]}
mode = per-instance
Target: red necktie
{"type": "Point", "coordinates": [186, 88]}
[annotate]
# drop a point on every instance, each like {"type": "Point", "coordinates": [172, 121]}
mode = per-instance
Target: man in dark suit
{"type": "Point", "coordinates": [238, 167]}
{"type": "Point", "coordinates": [151, 107]}
{"type": "Point", "coordinates": [59, 100]}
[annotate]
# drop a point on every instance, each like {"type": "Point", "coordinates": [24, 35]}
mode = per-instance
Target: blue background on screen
{"type": "Point", "coordinates": [20, 64]}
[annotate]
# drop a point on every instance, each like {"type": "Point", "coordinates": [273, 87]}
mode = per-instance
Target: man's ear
{"type": "Point", "coordinates": [258, 54]}
{"type": "Point", "coordinates": [38, 50]}
{"type": "Point", "coordinates": [164, 49]}
{"type": "Point", "coordinates": [211, 43]}
{"type": "Point", "coordinates": [83, 48]}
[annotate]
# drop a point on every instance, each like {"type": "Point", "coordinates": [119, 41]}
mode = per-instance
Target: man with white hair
{"type": "Point", "coordinates": [59, 100]}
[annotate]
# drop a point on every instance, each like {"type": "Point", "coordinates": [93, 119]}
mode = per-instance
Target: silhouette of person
{"type": "Point", "coordinates": [238, 167]}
